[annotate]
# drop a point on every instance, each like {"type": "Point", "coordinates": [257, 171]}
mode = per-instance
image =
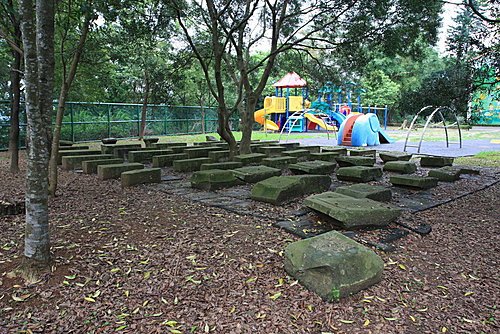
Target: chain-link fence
{"type": "Point", "coordinates": [85, 121]}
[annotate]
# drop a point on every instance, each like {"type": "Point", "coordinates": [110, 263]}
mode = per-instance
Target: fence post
{"type": "Point", "coordinates": [138, 121]}
{"type": "Point", "coordinates": [109, 120]}
{"type": "Point", "coordinates": [71, 116]}
{"type": "Point", "coordinates": [165, 120]}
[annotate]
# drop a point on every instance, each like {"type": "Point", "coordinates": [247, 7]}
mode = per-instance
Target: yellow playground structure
{"type": "Point", "coordinates": [272, 105]}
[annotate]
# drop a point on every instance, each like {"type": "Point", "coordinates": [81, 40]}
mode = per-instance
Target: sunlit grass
{"type": "Point", "coordinates": [482, 159]}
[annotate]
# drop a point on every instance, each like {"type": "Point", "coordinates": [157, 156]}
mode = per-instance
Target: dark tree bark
{"type": "Point", "coordinates": [37, 26]}
{"type": "Point", "coordinates": [15, 108]}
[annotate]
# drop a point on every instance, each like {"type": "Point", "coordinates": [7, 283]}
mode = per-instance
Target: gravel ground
{"type": "Point", "coordinates": [139, 260]}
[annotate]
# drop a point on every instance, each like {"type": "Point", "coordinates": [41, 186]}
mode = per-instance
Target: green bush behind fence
{"type": "Point", "coordinates": [86, 121]}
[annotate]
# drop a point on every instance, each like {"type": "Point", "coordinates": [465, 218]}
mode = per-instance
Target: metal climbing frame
{"type": "Point", "coordinates": [438, 111]}
{"type": "Point", "coordinates": [295, 119]}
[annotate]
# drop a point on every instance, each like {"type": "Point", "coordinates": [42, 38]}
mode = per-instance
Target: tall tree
{"type": "Point", "coordinates": [10, 30]}
{"type": "Point", "coordinates": [37, 26]}
{"type": "Point", "coordinates": [237, 28]}
{"type": "Point", "coordinates": [84, 18]}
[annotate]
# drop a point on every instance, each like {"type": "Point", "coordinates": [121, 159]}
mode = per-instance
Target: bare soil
{"type": "Point", "coordinates": [141, 260]}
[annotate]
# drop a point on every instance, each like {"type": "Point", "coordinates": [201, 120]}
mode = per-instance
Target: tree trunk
{"type": "Point", "coordinates": [63, 95]}
{"type": "Point", "coordinates": [144, 110]}
{"type": "Point", "coordinates": [247, 121]}
{"type": "Point", "coordinates": [15, 108]}
{"type": "Point", "coordinates": [37, 28]}
{"type": "Point", "coordinates": [225, 133]}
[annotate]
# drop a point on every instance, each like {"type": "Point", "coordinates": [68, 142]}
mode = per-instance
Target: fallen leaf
{"type": "Point", "coordinates": [89, 299]}
{"type": "Point", "coordinates": [366, 323]}
{"type": "Point", "coordinates": [275, 296]}
{"type": "Point", "coordinates": [346, 321]}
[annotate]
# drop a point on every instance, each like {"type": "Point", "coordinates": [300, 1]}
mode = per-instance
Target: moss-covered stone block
{"type": "Point", "coordinates": [300, 154]}
{"type": "Point", "coordinates": [361, 190]}
{"type": "Point", "coordinates": [222, 165]}
{"type": "Point", "coordinates": [254, 174]}
{"type": "Point", "coordinates": [71, 162]}
{"type": "Point", "coordinates": [74, 148]}
{"type": "Point", "coordinates": [250, 158]}
{"type": "Point", "coordinates": [359, 174]}
{"type": "Point", "coordinates": [353, 213]}
{"type": "Point", "coordinates": [445, 174]}
{"type": "Point", "coordinates": [67, 153]}
{"type": "Point", "coordinates": [90, 166]}
{"type": "Point", "coordinates": [324, 156]}
{"type": "Point", "coordinates": [334, 149]}
{"type": "Point", "coordinates": [436, 161]}
{"type": "Point", "coordinates": [149, 141]}
{"type": "Point", "coordinates": [110, 148]}
{"type": "Point", "coordinates": [219, 156]}
{"type": "Point", "coordinates": [167, 159]}
{"type": "Point", "coordinates": [394, 156]}
{"type": "Point", "coordinates": [414, 181]}
{"type": "Point", "coordinates": [146, 155]}
{"type": "Point", "coordinates": [142, 176]}
{"type": "Point", "coordinates": [287, 146]}
{"type": "Point", "coordinates": [213, 179]}
{"type": "Point", "coordinates": [114, 171]}
{"type": "Point", "coordinates": [65, 143]}
{"type": "Point", "coordinates": [403, 167]}
{"type": "Point", "coordinates": [312, 148]}
{"type": "Point", "coordinates": [272, 150]}
{"type": "Point", "coordinates": [332, 265]}
{"type": "Point", "coordinates": [316, 167]}
{"type": "Point", "coordinates": [199, 152]}
{"type": "Point", "coordinates": [347, 161]}
{"type": "Point", "coordinates": [190, 165]}
{"type": "Point", "coordinates": [363, 153]}
{"type": "Point", "coordinates": [279, 162]}
{"type": "Point", "coordinates": [279, 189]}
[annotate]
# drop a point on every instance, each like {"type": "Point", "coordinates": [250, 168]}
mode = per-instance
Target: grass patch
{"type": "Point", "coordinates": [482, 159]}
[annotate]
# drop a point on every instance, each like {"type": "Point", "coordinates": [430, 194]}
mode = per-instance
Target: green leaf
{"type": "Point", "coordinates": [275, 296]}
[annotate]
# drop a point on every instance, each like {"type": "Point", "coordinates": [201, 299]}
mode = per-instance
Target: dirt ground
{"type": "Point", "coordinates": [139, 260]}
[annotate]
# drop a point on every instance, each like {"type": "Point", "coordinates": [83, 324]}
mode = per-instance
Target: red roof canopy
{"type": "Point", "coordinates": [290, 80]}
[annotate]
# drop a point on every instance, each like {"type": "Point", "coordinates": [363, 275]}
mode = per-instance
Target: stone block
{"type": "Point", "coordinates": [254, 174]}
{"type": "Point", "coordinates": [271, 151]}
{"type": "Point", "coordinates": [148, 142]}
{"type": "Point", "coordinates": [167, 159]}
{"type": "Point", "coordinates": [403, 167]}
{"type": "Point", "coordinates": [414, 181]}
{"type": "Point", "coordinates": [73, 148]}
{"type": "Point", "coordinates": [436, 161]}
{"type": "Point", "coordinates": [199, 152]}
{"type": "Point", "coordinates": [363, 153]}
{"type": "Point", "coordinates": [353, 213]}
{"type": "Point", "coordinates": [146, 155]}
{"type": "Point", "coordinates": [219, 156]}
{"type": "Point", "coordinates": [359, 173]}
{"type": "Point", "coordinates": [279, 162]}
{"type": "Point", "coordinates": [300, 154]}
{"type": "Point", "coordinates": [346, 161]}
{"type": "Point", "coordinates": [312, 149]}
{"type": "Point", "coordinates": [110, 148]}
{"type": "Point", "coordinates": [279, 189]}
{"type": "Point", "coordinates": [178, 149]}
{"type": "Point", "coordinates": [122, 151]}
{"type": "Point", "coordinates": [71, 162]}
{"type": "Point", "coordinates": [105, 172]}
{"type": "Point", "coordinates": [334, 149]}
{"type": "Point", "coordinates": [74, 153]}
{"type": "Point", "coordinates": [287, 146]}
{"type": "Point", "coordinates": [394, 156]}
{"type": "Point", "coordinates": [90, 166]}
{"type": "Point", "coordinates": [360, 190]}
{"type": "Point", "coordinates": [111, 141]}
{"type": "Point", "coordinates": [190, 165]}
{"type": "Point", "coordinates": [141, 176]}
{"type": "Point", "coordinates": [316, 167]}
{"type": "Point", "coordinates": [324, 156]}
{"type": "Point", "coordinates": [65, 143]}
{"type": "Point", "coordinates": [332, 265]}
{"type": "Point", "coordinates": [445, 174]}
{"type": "Point", "coordinates": [250, 158]}
{"type": "Point", "coordinates": [222, 165]}
{"type": "Point", "coordinates": [213, 179]}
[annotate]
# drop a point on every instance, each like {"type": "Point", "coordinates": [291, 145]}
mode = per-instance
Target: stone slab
{"type": "Point", "coordinates": [398, 166]}
{"type": "Point", "coordinates": [325, 156]}
{"type": "Point", "coordinates": [199, 152]}
{"type": "Point", "coordinates": [213, 179]}
{"type": "Point", "coordinates": [105, 172]}
{"type": "Point", "coordinates": [300, 154]}
{"type": "Point", "coordinates": [272, 150]}
{"type": "Point", "coordinates": [109, 148]}
{"type": "Point", "coordinates": [445, 174]}
{"type": "Point", "coordinates": [359, 190]}
{"type": "Point", "coordinates": [347, 161]}
{"type": "Point", "coordinates": [167, 159]}
{"type": "Point", "coordinates": [414, 181]}
{"type": "Point", "coordinates": [317, 167]}
{"type": "Point", "coordinates": [146, 155]}
{"type": "Point", "coordinates": [75, 152]}
{"type": "Point", "coordinates": [73, 148]}
{"type": "Point", "coordinates": [394, 156]}
{"type": "Point", "coordinates": [250, 158]}
{"type": "Point", "coordinates": [334, 149]}
{"type": "Point", "coordinates": [431, 161]}
{"type": "Point", "coordinates": [222, 165]}
{"type": "Point", "coordinates": [359, 173]}
{"type": "Point", "coordinates": [90, 166]}
{"type": "Point", "coordinates": [190, 165]}
{"type": "Point", "coordinates": [254, 174]}
{"type": "Point", "coordinates": [142, 176]}
{"type": "Point", "coordinates": [363, 153]}
{"type": "Point", "coordinates": [219, 156]}
{"type": "Point", "coordinates": [71, 162]}
{"type": "Point", "coordinates": [279, 162]}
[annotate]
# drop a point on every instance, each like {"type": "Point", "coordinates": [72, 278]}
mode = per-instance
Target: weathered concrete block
{"type": "Point", "coordinates": [178, 149]}
{"type": "Point", "coordinates": [352, 213]}
{"type": "Point", "coordinates": [222, 165]}
{"type": "Point", "coordinates": [219, 156]}
{"type": "Point", "coordinates": [312, 149]}
{"type": "Point", "coordinates": [333, 265]}
{"type": "Point", "coordinates": [167, 159]}
{"type": "Point", "coordinates": [325, 156]}
{"type": "Point", "coordinates": [394, 156]}
{"type": "Point", "coordinates": [280, 189]}
{"type": "Point", "coordinates": [316, 167]}
{"type": "Point", "coordinates": [300, 154]}
{"type": "Point", "coordinates": [436, 161]}
{"type": "Point", "coordinates": [213, 179]}
{"type": "Point", "coordinates": [105, 172]}
{"type": "Point", "coordinates": [73, 148]}
{"type": "Point", "coordinates": [254, 174]}
{"type": "Point", "coordinates": [71, 162]}
{"type": "Point", "coordinates": [90, 166]}
{"type": "Point", "coordinates": [149, 141]}
{"type": "Point", "coordinates": [334, 149]}
{"type": "Point", "coordinates": [363, 153]}
{"type": "Point", "coordinates": [279, 162]}
{"type": "Point", "coordinates": [146, 155]}
{"type": "Point", "coordinates": [359, 173]}
{"type": "Point", "coordinates": [199, 152]}
{"type": "Point", "coordinates": [414, 181]}
{"type": "Point", "coordinates": [190, 165]}
{"type": "Point", "coordinates": [271, 151]}
{"type": "Point", "coordinates": [142, 176]}
{"type": "Point", "coordinates": [65, 143]}
{"type": "Point", "coordinates": [122, 151]}
{"type": "Point", "coordinates": [74, 153]}
{"type": "Point", "coordinates": [403, 167]}
{"type": "Point", "coordinates": [445, 174]}
{"type": "Point", "coordinates": [250, 158]}
{"type": "Point", "coordinates": [287, 146]}
{"type": "Point", "coordinates": [360, 190]}
{"type": "Point", "coordinates": [346, 161]}
{"type": "Point", "coordinates": [111, 141]}
{"type": "Point", "coordinates": [110, 148]}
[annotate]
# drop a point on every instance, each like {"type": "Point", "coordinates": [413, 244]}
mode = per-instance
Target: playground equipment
{"type": "Point", "coordinates": [362, 130]}
{"type": "Point", "coordinates": [437, 110]}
